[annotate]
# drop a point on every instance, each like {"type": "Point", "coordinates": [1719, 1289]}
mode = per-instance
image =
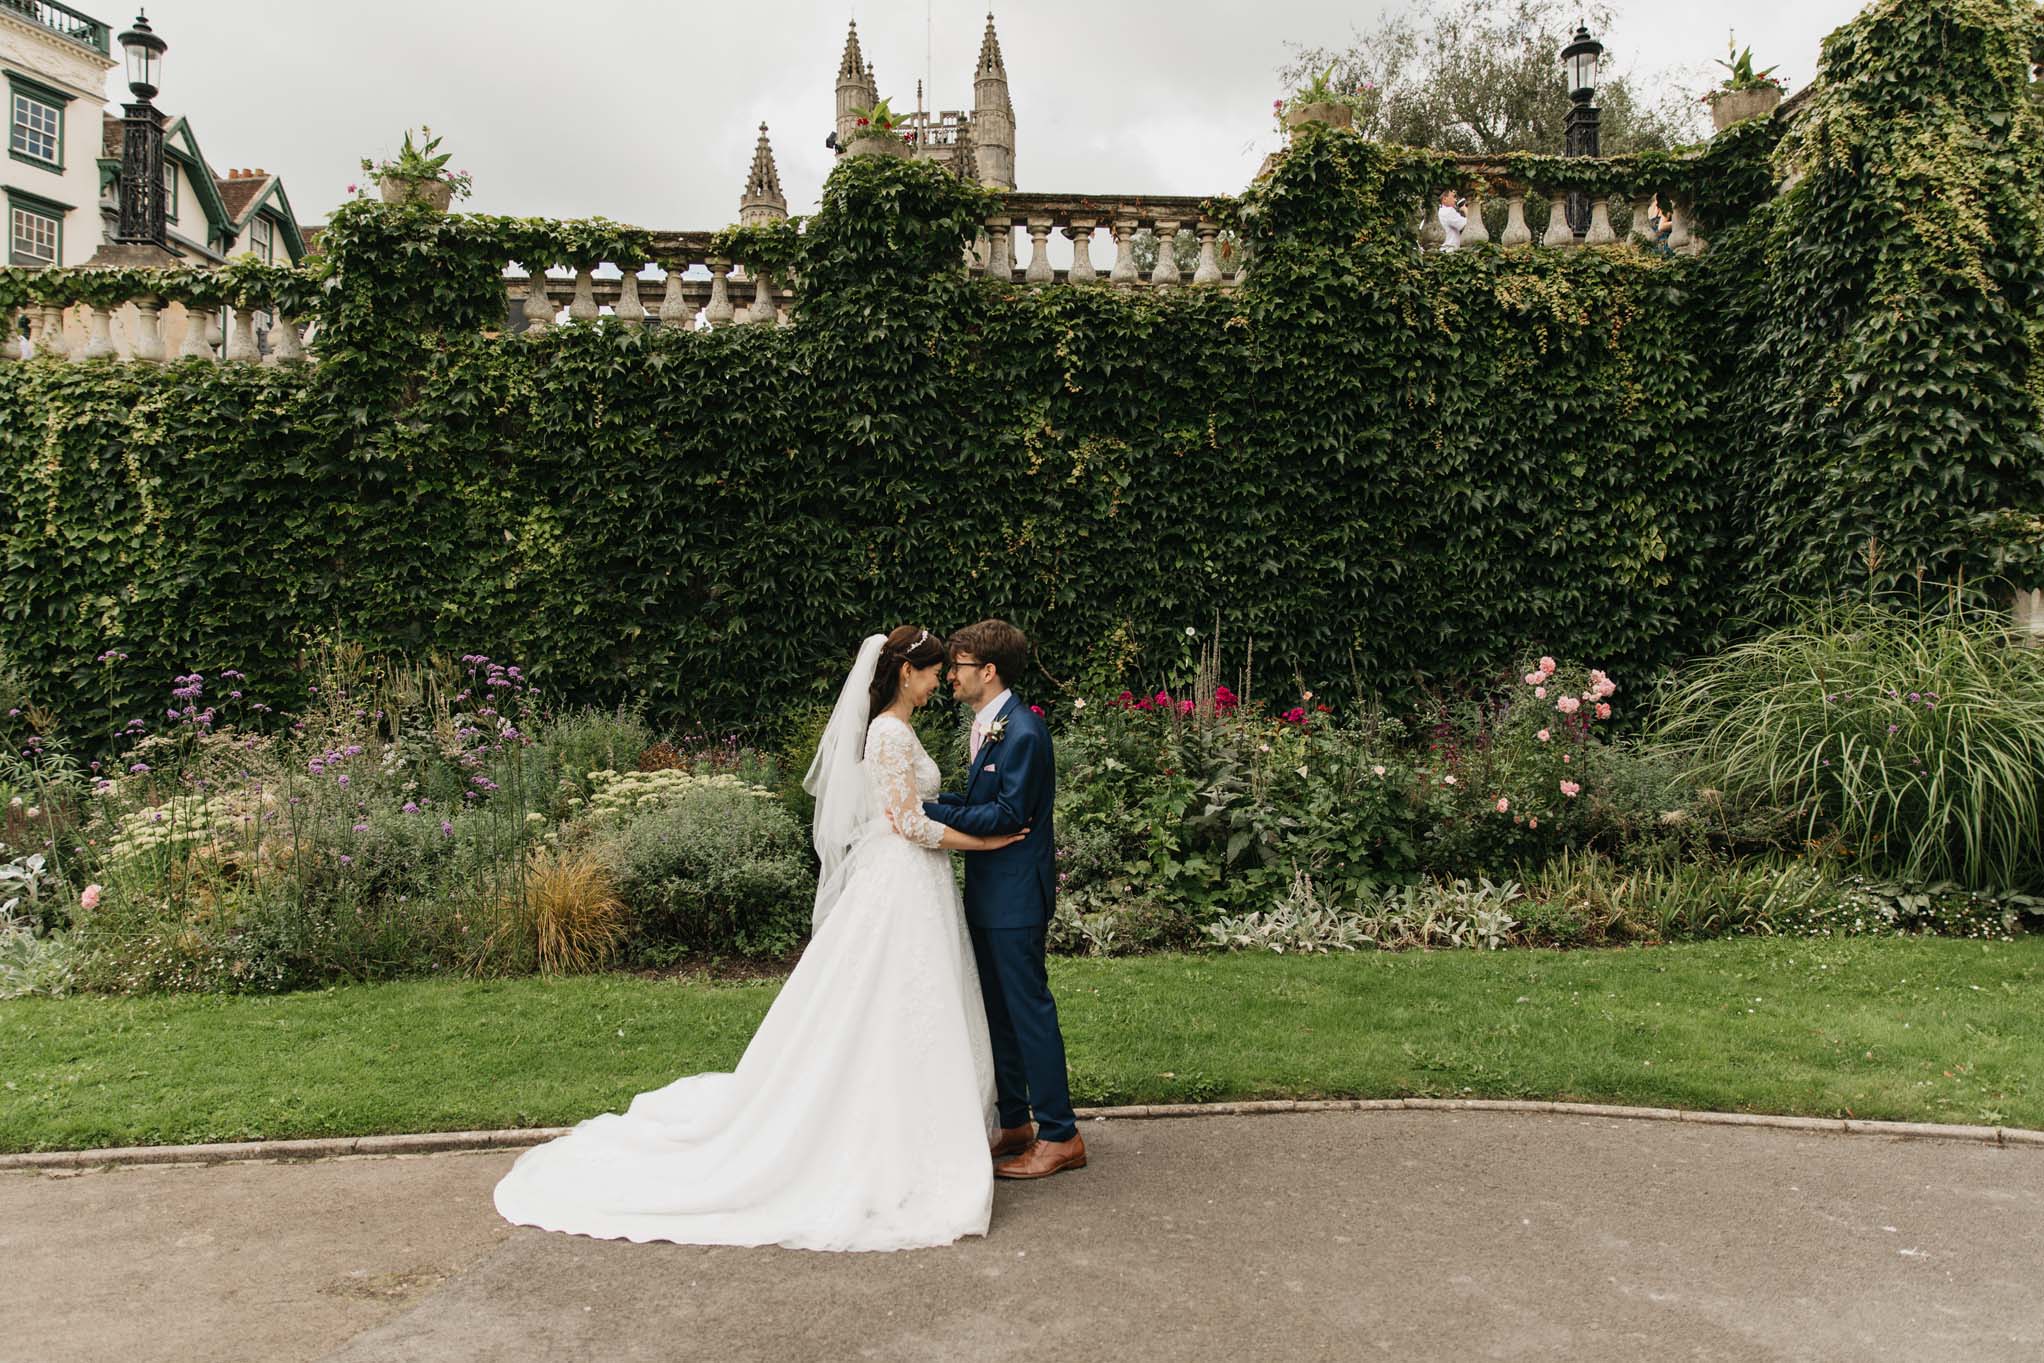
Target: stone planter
{"type": "Point", "coordinates": [879, 144]}
{"type": "Point", "coordinates": [1736, 106]}
{"type": "Point", "coordinates": [435, 194]}
{"type": "Point", "coordinates": [1333, 115]}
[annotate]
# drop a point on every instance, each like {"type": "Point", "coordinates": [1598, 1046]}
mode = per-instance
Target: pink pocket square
{"type": "Point", "coordinates": [988, 767]}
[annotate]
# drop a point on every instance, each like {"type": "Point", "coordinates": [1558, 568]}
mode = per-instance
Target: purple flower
{"type": "Point", "coordinates": [446, 829]}
{"type": "Point", "coordinates": [361, 828]}
{"type": "Point", "coordinates": [139, 769]}
{"type": "Point", "coordinates": [411, 808]}
{"type": "Point", "coordinates": [347, 860]}
{"type": "Point", "coordinates": [342, 780]}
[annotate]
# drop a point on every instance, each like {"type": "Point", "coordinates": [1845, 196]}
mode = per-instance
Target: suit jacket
{"type": "Point", "coordinates": [1012, 786]}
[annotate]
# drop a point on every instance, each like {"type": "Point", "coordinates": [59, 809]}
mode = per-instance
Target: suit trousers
{"type": "Point", "coordinates": [1029, 1050]}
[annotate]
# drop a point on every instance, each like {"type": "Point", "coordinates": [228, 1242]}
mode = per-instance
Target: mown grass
{"type": "Point", "coordinates": [1914, 1029]}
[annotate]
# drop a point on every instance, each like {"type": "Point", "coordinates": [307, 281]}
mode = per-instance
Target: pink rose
{"type": "Point", "coordinates": [1547, 665]}
{"type": "Point", "coordinates": [1543, 735]}
{"type": "Point", "coordinates": [1540, 692]}
{"type": "Point", "coordinates": [90, 899]}
{"type": "Point", "coordinates": [1534, 679]}
{"type": "Point", "coordinates": [1603, 710]}
{"type": "Point", "coordinates": [1532, 823]}
{"type": "Point", "coordinates": [1568, 705]}
{"type": "Point", "coordinates": [1504, 805]}
{"type": "Point", "coordinates": [1571, 789]}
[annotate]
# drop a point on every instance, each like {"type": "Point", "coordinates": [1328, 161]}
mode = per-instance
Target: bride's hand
{"type": "Point", "coordinates": [995, 842]}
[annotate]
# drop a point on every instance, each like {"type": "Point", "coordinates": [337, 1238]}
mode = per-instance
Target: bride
{"type": "Point", "coordinates": [860, 1115]}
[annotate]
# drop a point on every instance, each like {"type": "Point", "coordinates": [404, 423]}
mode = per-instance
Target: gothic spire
{"type": "Point", "coordinates": [765, 181]}
{"type": "Point", "coordinates": [853, 64]}
{"type": "Point", "coordinates": [990, 63]}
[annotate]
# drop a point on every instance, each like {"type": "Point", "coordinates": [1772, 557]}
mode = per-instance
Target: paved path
{"type": "Point", "coordinates": [1400, 1235]}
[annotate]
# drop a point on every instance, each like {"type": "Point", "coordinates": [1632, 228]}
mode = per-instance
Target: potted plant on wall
{"type": "Point", "coordinates": [418, 175]}
{"type": "Point", "coordinates": [1745, 93]}
{"type": "Point", "coordinates": [1321, 101]}
{"type": "Point", "coordinates": [879, 132]}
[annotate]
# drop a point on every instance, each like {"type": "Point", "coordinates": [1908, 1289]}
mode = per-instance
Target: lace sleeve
{"type": "Point", "coordinates": [891, 751]}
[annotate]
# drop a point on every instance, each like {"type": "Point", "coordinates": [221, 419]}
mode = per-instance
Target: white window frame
{"type": "Point", "coordinates": [22, 128]}
{"type": "Point", "coordinates": [21, 214]}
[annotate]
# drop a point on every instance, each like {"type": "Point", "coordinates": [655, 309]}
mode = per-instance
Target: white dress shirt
{"type": "Point", "coordinates": [1452, 223]}
{"type": "Point", "coordinates": [984, 717]}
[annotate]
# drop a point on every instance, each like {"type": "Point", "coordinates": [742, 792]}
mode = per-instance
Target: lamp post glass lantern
{"type": "Point", "coordinates": [142, 199]}
{"type": "Point", "coordinates": [144, 51]}
{"type": "Point", "coordinates": [1579, 63]}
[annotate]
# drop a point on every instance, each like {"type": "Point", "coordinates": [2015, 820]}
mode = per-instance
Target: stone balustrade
{"type": "Point", "coordinates": [1077, 239]}
{"type": "Point", "coordinates": [1483, 179]}
{"type": "Point", "coordinates": [694, 287]}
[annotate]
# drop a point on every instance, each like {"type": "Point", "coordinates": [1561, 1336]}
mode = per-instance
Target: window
{"type": "Point", "coordinates": [38, 235]}
{"type": "Point", "coordinates": [37, 137]}
{"type": "Point", "coordinates": [262, 237]}
{"type": "Point", "coordinates": [169, 190]}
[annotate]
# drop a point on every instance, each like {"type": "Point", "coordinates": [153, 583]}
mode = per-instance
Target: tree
{"type": "Point", "coordinates": [1482, 77]}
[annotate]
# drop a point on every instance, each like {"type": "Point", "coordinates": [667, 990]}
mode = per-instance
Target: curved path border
{"type": "Point", "coordinates": [330, 1147]}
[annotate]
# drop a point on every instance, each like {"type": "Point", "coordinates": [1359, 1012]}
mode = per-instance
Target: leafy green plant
{"type": "Point", "coordinates": [1742, 76]}
{"type": "Point", "coordinates": [1914, 735]}
{"type": "Point", "coordinates": [419, 164]}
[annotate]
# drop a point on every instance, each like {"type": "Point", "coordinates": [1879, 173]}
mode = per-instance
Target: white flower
{"type": "Point", "coordinates": [1302, 771]}
{"type": "Point", "coordinates": [1191, 633]}
{"type": "Point", "coordinates": [1079, 704]}
{"type": "Point", "coordinates": [1379, 770]}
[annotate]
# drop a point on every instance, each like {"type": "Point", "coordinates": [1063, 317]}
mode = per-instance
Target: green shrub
{"type": "Point", "coordinates": [1915, 736]}
{"type": "Point", "coordinates": [714, 871]}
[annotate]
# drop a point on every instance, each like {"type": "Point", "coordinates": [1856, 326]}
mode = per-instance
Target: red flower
{"type": "Point", "coordinates": [862, 123]}
{"type": "Point", "coordinates": [1295, 715]}
{"type": "Point", "coordinates": [1322, 709]}
{"type": "Point", "coordinates": [1036, 710]}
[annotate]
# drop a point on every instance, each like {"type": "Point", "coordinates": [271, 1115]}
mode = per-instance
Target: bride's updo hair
{"type": "Point", "coordinates": [917, 647]}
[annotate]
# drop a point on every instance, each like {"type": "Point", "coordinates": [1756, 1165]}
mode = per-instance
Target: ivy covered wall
{"type": "Point", "coordinates": [1376, 464]}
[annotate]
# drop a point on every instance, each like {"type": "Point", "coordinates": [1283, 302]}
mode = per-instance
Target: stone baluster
{"type": "Point", "coordinates": [285, 347]}
{"type": "Point", "coordinates": [1081, 234]}
{"type": "Point", "coordinates": [50, 340]}
{"type": "Point", "coordinates": [763, 309]}
{"type": "Point", "coordinates": [1209, 271]}
{"type": "Point", "coordinates": [2028, 610]}
{"type": "Point", "coordinates": [241, 338]}
{"type": "Point", "coordinates": [629, 310]}
{"type": "Point", "coordinates": [1432, 236]}
{"type": "Point", "coordinates": [1166, 274]}
{"type": "Point", "coordinates": [198, 323]}
{"type": "Point", "coordinates": [582, 307]}
{"type": "Point", "coordinates": [1558, 234]}
{"type": "Point", "coordinates": [1001, 251]}
{"type": "Point", "coordinates": [10, 338]}
{"type": "Point", "coordinates": [539, 306]}
{"type": "Point", "coordinates": [674, 308]}
{"type": "Point", "coordinates": [1039, 271]}
{"type": "Point", "coordinates": [148, 347]}
{"type": "Point", "coordinates": [99, 334]}
{"type": "Point", "coordinates": [1680, 241]}
{"type": "Point", "coordinates": [1124, 271]}
{"type": "Point", "coordinates": [1640, 232]}
{"type": "Point", "coordinates": [1474, 232]}
{"type": "Point", "coordinates": [720, 312]}
{"type": "Point", "coordinates": [1600, 233]}
{"type": "Point", "coordinates": [1516, 232]}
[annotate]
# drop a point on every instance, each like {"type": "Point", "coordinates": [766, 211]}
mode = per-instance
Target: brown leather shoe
{"type": "Point", "coordinates": [1044, 1158]}
{"type": "Point", "coordinates": [1013, 1140]}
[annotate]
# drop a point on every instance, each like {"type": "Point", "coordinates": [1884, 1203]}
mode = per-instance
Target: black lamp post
{"type": "Point", "coordinates": [1579, 137]}
{"type": "Point", "coordinates": [142, 204]}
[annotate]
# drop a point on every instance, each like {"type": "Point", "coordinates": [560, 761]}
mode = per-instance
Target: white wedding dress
{"type": "Point", "coordinates": [859, 1116]}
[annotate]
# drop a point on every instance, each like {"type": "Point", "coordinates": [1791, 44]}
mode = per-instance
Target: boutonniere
{"type": "Point", "coordinates": [997, 731]}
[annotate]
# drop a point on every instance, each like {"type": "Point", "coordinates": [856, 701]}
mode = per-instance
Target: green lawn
{"type": "Point", "coordinates": [1930, 1030]}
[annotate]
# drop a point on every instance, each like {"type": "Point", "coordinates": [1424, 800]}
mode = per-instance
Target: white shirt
{"type": "Point", "coordinates": [1452, 223]}
{"type": "Point", "coordinates": [984, 716]}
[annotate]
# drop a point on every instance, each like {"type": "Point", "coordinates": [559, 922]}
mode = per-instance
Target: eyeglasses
{"type": "Point", "coordinates": [958, 663]}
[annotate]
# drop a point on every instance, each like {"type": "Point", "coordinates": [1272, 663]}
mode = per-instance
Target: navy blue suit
{"type": "Point", "coordinates": [1009, 898]}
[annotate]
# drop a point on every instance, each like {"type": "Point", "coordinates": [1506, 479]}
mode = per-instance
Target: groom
{"type": "Point", "coordinates": [1009, 898]}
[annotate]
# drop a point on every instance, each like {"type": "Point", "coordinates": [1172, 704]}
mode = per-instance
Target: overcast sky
{"type": "Point", "coordinates": [646, 112]}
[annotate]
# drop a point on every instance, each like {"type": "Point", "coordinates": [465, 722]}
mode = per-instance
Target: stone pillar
{"type": "Point", "coordinates": [763, 309]}
{"type": "Point", "coordinates": [148, 330]}
{"type": "Point", "coordinates": [1209, 271]}
{"type": "Point", "coordinates": [1432, 236]}
{"type": "Point", "coordinates": [198, 321]}
{"type": "Point", "coordinates": [1081, 234]}
{"type": "Point", "coordinates": [1559, 234]}
{"type": "Point", "coordinates": [719, 312]}
{"type": "Point", "coordinates": [582, 307]}
{"type": "Point", "coordinates": [1039, 271]}
{"type": "Point", "coordinates": [1124, 271]}
{"type": "Point", "coordinates": [241, 338]}
{"type": "Point", "coordinates": [630, 310]}
{"type": "Point", "coordinates": [99, 337]}
{"type": "Point", "coordinates": [539, 307]}
{"type": "Point", "coordinates": [1475, 233]}
{"type": "Point", "coordinates": [284, 344]}
{"type": "Point", "coordinates": [1166, 274]}
{"type": "Point", "coordinates": [1600, 233]}
{"type": "Point", "coordinates": [1001, 250]}
{"type": "Point", "coordinates": [674, 309]}
{"type": "Point", "coordinates": [1516, 232]}
{"type": "Point", "coordinates": [49, 340]}
{"type": "Point", "coordinates": [1641, 233]}
{"type": "Point", "coordinates": [2029, 616]}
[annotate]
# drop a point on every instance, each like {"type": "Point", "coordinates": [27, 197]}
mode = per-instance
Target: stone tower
{"type": "Point", "coordinates": [993, 116]}
{"type": "Point", "coordinates": [856, 88]}
{"type": "Point", "coordinates": [763, 200]}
